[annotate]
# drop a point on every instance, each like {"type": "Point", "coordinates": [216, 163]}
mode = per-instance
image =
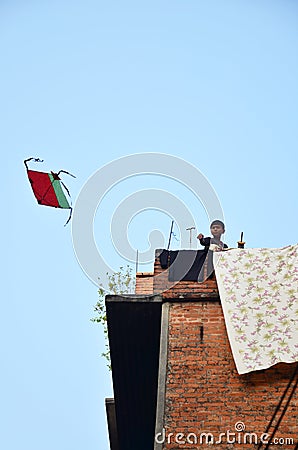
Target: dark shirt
{"type": "Point", "coordinates": [206, 241]}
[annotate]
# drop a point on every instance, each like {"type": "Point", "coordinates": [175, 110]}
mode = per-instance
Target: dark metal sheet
{"type": "Point", "coordinates": [134, 335]}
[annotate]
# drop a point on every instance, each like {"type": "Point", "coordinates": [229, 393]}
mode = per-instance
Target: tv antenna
{"type": "Point", "coordinates": [190, 234]}
{"type": "Point", "coordinates": [170, 236]}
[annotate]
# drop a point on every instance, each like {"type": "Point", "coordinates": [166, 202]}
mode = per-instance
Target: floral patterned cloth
{"type": "Point", "coordinates": [259, 294]}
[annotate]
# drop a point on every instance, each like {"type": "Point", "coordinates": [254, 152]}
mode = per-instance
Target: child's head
{"type": "Point", "coordinates": [217, 228]}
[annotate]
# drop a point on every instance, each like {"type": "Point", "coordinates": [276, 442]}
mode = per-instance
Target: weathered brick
{"type": "Point", "coordinates": [204, 392]}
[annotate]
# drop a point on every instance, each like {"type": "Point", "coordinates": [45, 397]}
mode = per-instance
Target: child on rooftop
{"type": "Point", "coordinates": [214, 243]}
{"type": "Point", "coordinates": [211, 244]}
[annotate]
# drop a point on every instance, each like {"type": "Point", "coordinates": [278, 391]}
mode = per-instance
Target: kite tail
{"type": "Point", "coordinates": [66, 189]}
{"type": "Point", "coordinates": [70, 213]}
{"type": "Point", "coordinates": [69, 217]}
{"type": "Point", "coordinates": [30, 159]}
{"type": "Point", "coordinates": [64, 171]}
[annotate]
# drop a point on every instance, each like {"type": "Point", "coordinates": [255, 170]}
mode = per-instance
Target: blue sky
{"type": "Point", "coordinates": [85, 83]}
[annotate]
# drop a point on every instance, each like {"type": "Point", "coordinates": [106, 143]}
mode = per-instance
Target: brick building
{"type": "Point", "coordinates": [175, 381]}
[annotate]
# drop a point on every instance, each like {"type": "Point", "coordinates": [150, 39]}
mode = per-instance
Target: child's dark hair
{"type": "Point", "coordinates": [217, 222]}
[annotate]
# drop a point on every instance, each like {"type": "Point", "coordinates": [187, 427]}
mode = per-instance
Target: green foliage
{"type": "Point", "coordinates": [121, 282]}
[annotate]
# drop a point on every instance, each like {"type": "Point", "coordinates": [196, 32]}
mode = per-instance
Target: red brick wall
{"type": "Point", "coordinates": [204, 392]}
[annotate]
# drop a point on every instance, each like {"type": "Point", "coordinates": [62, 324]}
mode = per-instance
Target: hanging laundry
{"type": "Point", "coordinates": [259, 295]}
{"type": "Point", "coordinates": [184, 265]}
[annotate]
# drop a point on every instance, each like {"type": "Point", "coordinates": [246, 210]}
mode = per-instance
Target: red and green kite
{"type": "Point", "coordinates": [47, 187]}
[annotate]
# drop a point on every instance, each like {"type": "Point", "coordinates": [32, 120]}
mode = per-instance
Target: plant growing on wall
{"type": "Point", "coordinates": [121, 282]}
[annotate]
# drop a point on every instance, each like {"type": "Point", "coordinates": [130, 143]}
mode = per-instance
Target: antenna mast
{"type": "Point", "coordinates": [137, 261]}
{"type": "Point", "coordinates": [190, 234]}
{"type": "Point", "coordinates": [170, 237]}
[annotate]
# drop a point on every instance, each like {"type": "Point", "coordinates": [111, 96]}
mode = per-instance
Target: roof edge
{"type": "Point", "coordinates": [133, 298]}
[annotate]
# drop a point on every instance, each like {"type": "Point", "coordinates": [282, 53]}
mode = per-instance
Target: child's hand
{"type": "Point", "coordinates": [200, 236]}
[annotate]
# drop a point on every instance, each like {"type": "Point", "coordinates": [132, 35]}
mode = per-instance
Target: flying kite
{"type": "Point", "coordinates": [47, 187]}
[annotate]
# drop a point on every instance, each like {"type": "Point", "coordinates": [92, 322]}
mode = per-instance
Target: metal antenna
{"type": "Point", "coordinates": [190, 234]}
{"type": "Point", "coordinates": [137, 261]}
{"type": "Point", "coordinates": [170, 237]}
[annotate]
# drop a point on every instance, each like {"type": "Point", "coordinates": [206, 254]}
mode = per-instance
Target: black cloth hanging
{"type": "Point", "coordinates": [184, 265]}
